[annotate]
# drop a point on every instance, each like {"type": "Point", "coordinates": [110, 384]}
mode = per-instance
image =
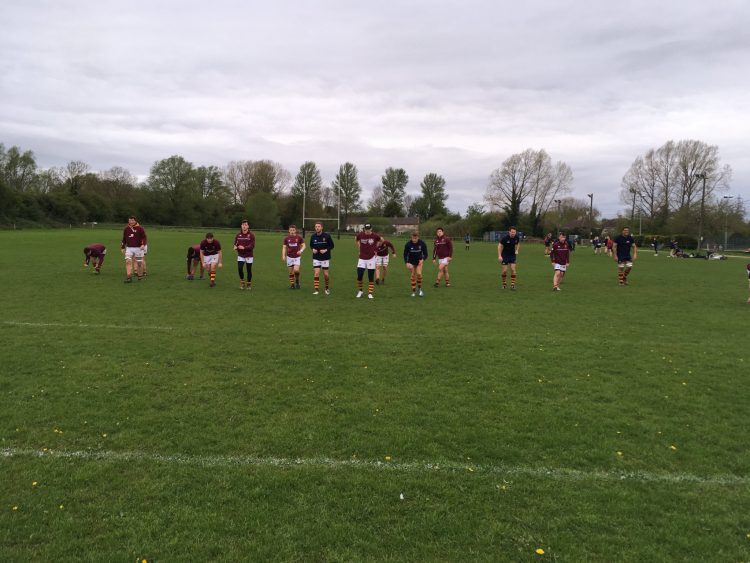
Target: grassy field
{"type": "Point", "coordinates": [168, 421]}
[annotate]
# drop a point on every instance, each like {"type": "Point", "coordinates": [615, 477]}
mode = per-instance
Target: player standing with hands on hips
{"type": "Point", "coordinates": [321, 244]}
{"type": "Point", "coordinates": [507, 251]}
{"type": "Point", "coordinates": [442, 254]}
{"type": "Point", "coordinates": [622, 247]}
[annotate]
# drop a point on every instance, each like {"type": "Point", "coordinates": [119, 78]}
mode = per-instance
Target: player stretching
{"type": "Point", "coordinates": [507, 251]}
{"type": "Point", "coordinates": [367, 244]}
{"type": "Point", "coordinates": [381, 261]}
{"type": "Point", "coordinates": [560, 256]}
{"type": "Point", "coordinates": [133, 241]}
{"type": "Point", "coordinates": [415, 253]}
{"type": "Point", "coordinates": [211, 256]}
{"type": "Point", "coordinates": [622, 247]}
{"type": "Point", "coordinates": [95, 253]}
{"type": "Point", "coordinates": [321, 244]}
{"type": "Point", "coordinates": [442, 253]}
{"type": "Point", "coordinates": [291, 249]}
{"type": "Point", "coordinates": [193, 260]}
{"type": "Point", "coordinates": [244, 243]}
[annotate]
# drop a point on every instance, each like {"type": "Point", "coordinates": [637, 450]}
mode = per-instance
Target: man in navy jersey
{"type": "Point", "coordinates": [560, 256]}
{"type": "Point", "coordinates": [291, 250]}
{"type": "Point", "coordinates": [321, 244]}
{"type": "Point", "coordinates": [507, 251]}
{"type": "Point", "coordinates": [415, 253]}
{"type": "Point", "coordinates": [193, 260]}
{"type": "Point", "coordinates": [94, 253]}
{"type": "Point", "coordinates": [211, 256]}
{"type": "Point", "coordinates": [381, 261]}
{"type": "Point", "coordinates": [134, 241]}
{"type": "Point", "coordinates": [367, 244]}
{"type": "Point", "coordinates": [625, 251]}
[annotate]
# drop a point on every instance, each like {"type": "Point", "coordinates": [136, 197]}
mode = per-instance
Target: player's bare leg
{"type": "Point", "coordinates": [512, 277]}
{"type": "Point", "coordinates": [447, 275]}
{"type": "Point", "coordinates": [412, 278]}
{"type": "Point", "coordinates": [296, 277]}
{"type": "Point", "coordinates": [291, 277]}
{"type": "Point", "coordinates": [128, 270]}
{"type": "Point", "coordinates": [316, 281]}
{"type": "Point", "coordinates": [504, 276]}
{"type": "Point", "coordinates": [327, 280]}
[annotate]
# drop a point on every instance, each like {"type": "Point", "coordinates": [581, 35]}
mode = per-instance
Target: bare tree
{"type": "Point", "coordinates": [73, 172]}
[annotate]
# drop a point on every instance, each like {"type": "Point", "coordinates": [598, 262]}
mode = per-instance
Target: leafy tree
{"type": "Point", "coordinates": [432, 201]}
{"type": "Point", "coordinates": [393, 184]}
{"type": "Point", "coordinates": [262, 211]}
{"type": "Point", "coordinates": [18, 169]}
{"type": "Point", "coordinates": [346, 187]}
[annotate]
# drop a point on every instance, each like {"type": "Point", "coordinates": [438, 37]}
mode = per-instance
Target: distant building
{"type": "Point", "coordinates": [400, 224]}
{"type": "Point", "coordinates": [403, 225]}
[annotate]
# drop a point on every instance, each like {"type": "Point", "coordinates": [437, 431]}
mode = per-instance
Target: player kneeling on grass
{"type": "Point", "coordinates": [622, 247]}
{"type": "Point", "coordinates": [442, 254]}
{"type": "Point", "coordinates": [94, 253]}
{"type": "Point", "coordinates": [560, 256]}
{"type": "Point", "coordinates": [291, 251]}
{"type": "Point", "coordinates": [367, 243]}
{"type": "Point", "coordinates": [415, 253]}
{"type": "Point", "coordinates": [134, 241]}
{"type": "Point", "coordinates": [211, 256]}
{"type": "Point", "coordinates": [381, 261]}
{"type": "Point", "coordinates": [193, 260]}
{"type": "Point", "coordinates": [507, 251]}
{"type": "Point", "coordinates": [321, 244]}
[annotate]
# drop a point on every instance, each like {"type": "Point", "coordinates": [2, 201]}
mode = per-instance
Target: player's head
{"type": "Point", "coordinates": [439, 231]}
{"type": "Point", "coordinates": [318, 228]}
{"type": "Point", "coordinates": [244, 226]}
{"type": "Point", "coordinates": [415, 236]}
{"type": "Point", "coordinates": [87, 252]}
{"type": "Point", "coordinates": [626, 231]}
{"type": "Point", "coordinates": [368, 228]}
{"type": "Point", "coordinates": [292, 230]}
{"type": "Point", "coordinates": [132, 220]}
{"type": "Point", "coordinates": [209, 237]}
{"type": "Point", "coordinates": [561, 236]}
{"type": "Point", "coordinates": [512, 231]}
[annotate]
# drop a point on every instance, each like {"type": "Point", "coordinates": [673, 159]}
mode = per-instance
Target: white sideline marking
{"type": "Point", "coordinates": [561, 474]}
{"type": "Point", "coordinates": [84, 325]}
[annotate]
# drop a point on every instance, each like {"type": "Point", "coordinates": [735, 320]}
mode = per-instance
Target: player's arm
{"type": "Point", "coordinates": [219, 256]}
{"type": "Point", "coordinates": [235, 246]}
{"type": "Point", "coordinates": [635, 251]}
{"type": "Point", "coordinates": [518, 245]}
{"type": "Point", "coordinates": [450, 248]}
{"type": "Point", "coordinates": [283, 251]}
{"type": "Point", "coordinates": [434, 252]}
{"type": "Point", "coordinates": [251, 245]}
{"type": "Point", "coordinates": [614, 250]}
{"type": "Point", "coordinates": [425, 254]}
{"type": "Point", "coordinates": [144, 240]}
{"type": "Point", "coordinates": [122, 244]}
{"type": "Point", "coordinates": [500, 251]}
{"type": "Point", "coordinates": [302, 248]}
{"type": "Point", "coordinates": [393, 249]}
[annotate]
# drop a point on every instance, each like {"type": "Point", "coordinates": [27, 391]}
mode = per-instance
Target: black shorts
{"type": "Point", "coordinates": [509, 259]}
{"type": "Point", "coordinates": [415, 264]}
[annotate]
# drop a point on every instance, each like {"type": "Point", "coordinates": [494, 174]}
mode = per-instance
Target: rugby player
{"type": "Point", "coordinates": [381, 261]}
{"type": "Point", "coordinates": [291, 249]}
{"type": "Point", "coordinates": [560, 256]}
{"type": "Point", "coordinates": [244, 243]}
{"type": "Point", "coordinates": [625, 251]}
{"type": "Point", "coordinates": [367, 242]}
{"type": "Point", "coordinates": [507, 252]}
{"type": "Point", "coordinates": [193, 260]}
{"type": "Point", "coordinates": [94, 253]}
{"type": "Point", "coordinates": [442, 254]}
{"type": "Point", "coordinates": [415, 253]}
{"type": "Point", "coordinates": [133, 242]}
{"type": "Point", "coordinates": [211, 256]}
{"type": "Point", "coordinates": [321, 244]}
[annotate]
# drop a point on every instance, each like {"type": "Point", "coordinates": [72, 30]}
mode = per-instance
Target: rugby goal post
{"type": "Point", "coordinates": [306, 219]}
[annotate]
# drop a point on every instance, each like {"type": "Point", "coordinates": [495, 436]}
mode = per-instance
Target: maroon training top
{"type": "Point", "coordinates": [368, 244]}
{"type": "Point", "coordinates": [133, 237]}
{"type": "Point", "coordinates": [96, 250]}
{"type": "Point", "coordinates": [443, 248]}
{"type": "Point", "coordinates": [210, 248]}
{"type": "Point", "coordinates": [293, 243]}
{"type": "Point", "coordinates": [560, 253]}
{"type": "Point", "coordinates": [247, 241]}
{"type": "Point", "coordinates": [383, 249]}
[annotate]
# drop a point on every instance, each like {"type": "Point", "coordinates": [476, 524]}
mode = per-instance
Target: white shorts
{"type": "Point", "coordinates": [325, 264]}
{"type": "Point", "coordinates": [626, 264]}
{"type": "Point", "coordinates": [366, 264]}
{"type": "Point", "coordinates": [210, 259]}
{"type": "Point", "coordinates": [444, 261]}
{"type": "Point", "coordinates": [245, 259]}
{"type": "Point", "coordinates": [145, 249]}
{"type": "Point", "coordinates": [561, 267]}
{"type": "Point", "coordinates": [134, 252]}
{"type": "Point", "coordinates": [381, 260]}
{"type": "Point", "coordinates": [292, 261]}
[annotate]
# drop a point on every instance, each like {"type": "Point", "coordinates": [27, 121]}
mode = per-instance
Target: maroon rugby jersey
{"type": "Point", "coordinates": [293, 243]}
{"type": "Point", "coordinates": [560, 253]}
{"type": "Point", "coordinates": [96, 250]}
{"type": "Point", "coordinates": [133, 237]}
{"type": "Point", "coordinates": [443, 248]}
{"type": "Point", "coordinates": [210, 248]}
{"type": "Point", "coordinates": [368, 245]}
{"type": "Point", "coordinates": [194, 252]}
{"type": "Point", "coordinates": [383, 248]}
{"type": "Point", "coordinates": [247, 242]}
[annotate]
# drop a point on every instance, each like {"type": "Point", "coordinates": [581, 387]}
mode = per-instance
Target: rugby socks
{"type": "Point", "coordinates": [327, 281]}
{"type": "Point", "coordinates": [316, 283]}
{"type": "Point", "coordinates": [291, 279]}
{"type": "Point", "coordinates": [359, 285]}
{"type": "Point", "coordinates": [621, 275]}
{"type": "Point", "coordinates": [512, 280]}
{"type": "Point", "coordinates": [625, 274]}
{"type": "Point", "coordinates": [296, 278]}
{"type": "Point", "coordinates": [504, 276]}
{"type": "Point", "coordinates": [212, 276]}
{"type": "Point", "coordinates": [419, 281]}
{"type": "Point", "coordinates": [413, 283]}
{"type": "Point", "coordinates": [370, 287]}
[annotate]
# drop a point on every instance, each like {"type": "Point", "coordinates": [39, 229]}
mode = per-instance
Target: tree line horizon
{"type": "Point", "coordinates": [668, 188]}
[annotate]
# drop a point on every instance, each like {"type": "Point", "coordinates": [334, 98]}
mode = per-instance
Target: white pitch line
{"type": "Point", "coordinates": [556, 473]}
{"type": "Point", "coordinates": [84, 325]}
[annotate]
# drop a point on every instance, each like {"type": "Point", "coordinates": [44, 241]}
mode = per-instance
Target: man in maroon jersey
{"type": "Point", "coordinates": [560, 257]}
{"type": "Point", "coordinates": [244, 243]}
{"type": "Point", "coordinates": [95, 253]}
{"type": "Point", "coordinates": [193, 260]}
{"type": "Point", "coordinates": [291, 250]}
{"type": "Point", "coordinates": [133, 243]}
{"type": "Point", "coordinates": [381, 261]}
{"type": "Point", "coordinates": [211, 256]}
{"type": "Point", "coordinates": [442, 254]}
{"type": "Point", "coordinates": [367, 244]}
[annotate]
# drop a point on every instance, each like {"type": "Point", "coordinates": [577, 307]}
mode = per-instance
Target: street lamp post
{"type": "Point", "coordinates": [591, 215]}
{"type": "Point", "coordinates": [701, 176]}
{"type": "Point", "coordinates": [726, 221]}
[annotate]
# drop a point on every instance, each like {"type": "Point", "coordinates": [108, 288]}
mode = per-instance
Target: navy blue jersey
{"type": "Point", "coordinates": [624, 246]}
{"type": "Point", "coordinates": [509, 245]}
{"type": "Point", "coordinates": [323, 243]}
{"type": "Point", "coordinates": [415, 251]}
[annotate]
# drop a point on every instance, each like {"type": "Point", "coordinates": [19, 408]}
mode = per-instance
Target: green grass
{"type": "Point", "coordinates": [277, 425]}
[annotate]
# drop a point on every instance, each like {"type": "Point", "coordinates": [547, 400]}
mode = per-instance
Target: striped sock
{"type": "Point", "coordinates": [504, 275]}
{"type": "Point", "coordinates": [359, 285]}
{"type": "Point", "coordinates": [316, 283]}
{"type": "Point", "coordinates": [621, 276]}
{"type": "Point", "coordinates": [370, 287]}
{"type": "Point", "coordinates": [291, 279]}
{"type": "Point", "coordinates": [413, 283]}
{"type": "Point", "coordinates": [513, 280]}
{"type": "Point", "coordinates": [419, 281]}
{"type": "Point", "coordinates": [212, 276]}
{"type": "Point", "coordinates": [326, 279]}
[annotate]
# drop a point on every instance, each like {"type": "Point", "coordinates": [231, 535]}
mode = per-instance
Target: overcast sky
{"type": "Point", "coordinates": [429, 86]}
